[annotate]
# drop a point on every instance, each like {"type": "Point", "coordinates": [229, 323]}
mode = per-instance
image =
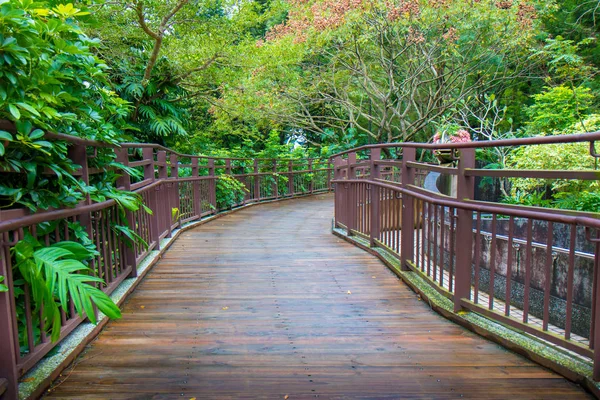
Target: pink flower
{"type": "Point", "coordinates": [460, 136]}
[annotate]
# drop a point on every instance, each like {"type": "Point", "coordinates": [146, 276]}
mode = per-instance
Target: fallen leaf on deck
{"type": "Point", "coordinates": [373, 277]}
{"type": "Point", "coordinates": [286, 397]}
{"type": "Point", "coordinates": [349, 292]}
{"type": "Point", "coordinates": [225, 308]}
{"type": "Point", "coordinates": [142, 307]}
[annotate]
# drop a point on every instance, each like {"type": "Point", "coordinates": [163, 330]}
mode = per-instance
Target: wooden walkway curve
{"type": "Point", "coordinates": [267, 303]}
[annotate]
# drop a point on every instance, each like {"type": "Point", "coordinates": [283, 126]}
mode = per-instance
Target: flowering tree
{"type": "Point", "coordinates": [388, 69]}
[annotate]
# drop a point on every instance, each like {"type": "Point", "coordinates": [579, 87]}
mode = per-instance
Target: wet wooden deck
{"type": "Point", "coordinates": [267, 303]}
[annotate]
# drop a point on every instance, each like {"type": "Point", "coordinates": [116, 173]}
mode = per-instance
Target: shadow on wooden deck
{"type": "Point", "coordinates": [267, 303]}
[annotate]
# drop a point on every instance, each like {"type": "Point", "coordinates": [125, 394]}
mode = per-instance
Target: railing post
{"type": "Point", "coordinates": [351, 165]}
{"type": "Point", "coordinates": [311, 185]}
{"type": "Point", "coordinates": [125, 182]}
{"type": "Point", "coordinates": [9, 342]}
{"type": "Point", "coordinates": [407, 238]}
{"type": "Point", "coordinates": [339, 192]}
{"type": "Point", "coordinates": [196, 188]}
{"type": "Point", "coordinates": [464, 230]}
{"type": "Point", "coordinates": [375, 195]}
{"type": "Point", "coordinates": [337, 165]}
{"type": "Point", "coordinates": [291, 178]}
{"type": "Point", "coordinates": [164, 205]}
{"type": "Point", "coordinates": [276, 180]}
{"type": "Point", "coordinates": [256, 181]}
{"type": "Point", "coordinates": [212, 188]}
{"type": "Point", "coordinates": [77, 154]}
{"type": "Point", "coordinates": [148, 154]}
{"type": "Point", "coordinates": [176, 203]}
{"type": "Point", "coordinates": [228, 166]}
{"type": "Point", "coordinates": [329, 175]}
{"type": "Point", "coordinates": [350, 201]}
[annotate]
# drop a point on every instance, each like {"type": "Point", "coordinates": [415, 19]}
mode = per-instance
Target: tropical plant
{"type": "Point", "coordinates": [57, 273]}
{"type": "Point", "coordinates": [159, 110]}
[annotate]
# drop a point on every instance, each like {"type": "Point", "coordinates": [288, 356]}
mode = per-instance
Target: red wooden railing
{"type": "Point", "coordinates": [178, 188]}
{"type": "Point", "coordinates": [502, 261]}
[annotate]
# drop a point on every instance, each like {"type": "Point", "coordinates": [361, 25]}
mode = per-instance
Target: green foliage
{"type": "Point", "coordinates": [50, 80]}
{"type": "Point", "coordinates": [49, 76]}
{"type": "Point", "coordinates": [230, 192]}
{"type": "Point", "coordinates": [579, 194]}
{"type": "Point", "coordinates": [58, 273]}
{"type": "Point", "coordinates": [159, 110]}
{"type": "Point", "coordinates": [558, 108]}
{"type": "Point", "coordinates": [3, 287]}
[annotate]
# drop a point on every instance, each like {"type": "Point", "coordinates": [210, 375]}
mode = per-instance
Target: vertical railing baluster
{"type": "Point", "coordinates": [548, 274]}
{"type": "Point", "coordinates": [311, 183]}
{"type": "Point", "coordinates": [509, 262]}
{"type": "Point", "coordinates": [570, 281]}
{"type": "Point", "coordinates": [275, 180]}
{"type": "Point", "coordinates": [493, 244]}
{"type": "Point", "coordinates": [9, 337]}
{"type": "Point", "coordinates": [256, 181]}
{"type": "Point", "coordinates": [291, 178]}
{"type": "Point", "coordinates": [595, 337]}
{"type": "Point", "coordinates": [528, 267]}
{"type": "Point", "coordinates": [212, 186]}
{"type": "Point", "coordinates": [477, 258]}
{"type": "Point", "coordinates": [429, 236]}
{"type": "Point", "coordinates": [443, 243]}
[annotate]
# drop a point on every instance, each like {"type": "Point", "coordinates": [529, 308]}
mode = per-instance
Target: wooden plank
{"type": "Point", "coordinates": [267, 303]}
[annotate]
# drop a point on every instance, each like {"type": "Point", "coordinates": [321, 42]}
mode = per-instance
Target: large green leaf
{"type": "Point", "coordinates": [56, 274]}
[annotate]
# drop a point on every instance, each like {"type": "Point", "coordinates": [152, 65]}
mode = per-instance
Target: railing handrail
{"type": "Point", "coordinates": [10, 127]}
{"type": "Point", "coordinates": [127, 145]}
{"type": "Point", "coordinates": [485, 208]}
{"type": "Point", "coordinates": [529, 141]}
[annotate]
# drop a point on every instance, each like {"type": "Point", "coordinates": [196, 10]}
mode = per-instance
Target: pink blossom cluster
{"type": "Point", "coordinates": [505, 4]}
{"type": "Point", "coordinates": [439, 3]}
{"type": "Point", "coordinates": [451, 34]}
{"type": "Point", "coordinates": [321, 15]}
{"type": "Point", "coordinates": [460, 136]}
{"type": "Point", "coordinates": [415, 36]}
{"type": "Point", "coordinates": [526, 14]}
{"type": "Point", "coordinates": [409, 8]}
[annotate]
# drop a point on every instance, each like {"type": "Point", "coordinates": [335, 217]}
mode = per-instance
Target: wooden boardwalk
{"type": "Point", "coordinates": [267, 303]}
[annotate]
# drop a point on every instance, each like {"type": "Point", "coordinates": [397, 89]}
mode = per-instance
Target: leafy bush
{"type": "Point", "coordinates": [568, 194]}
{"type": "Point", "coordinates": [230, 191]}
{"type": "Point", "coordinates": [50, 80]}
{"type": "Point", "coordinates": [558, 108]}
